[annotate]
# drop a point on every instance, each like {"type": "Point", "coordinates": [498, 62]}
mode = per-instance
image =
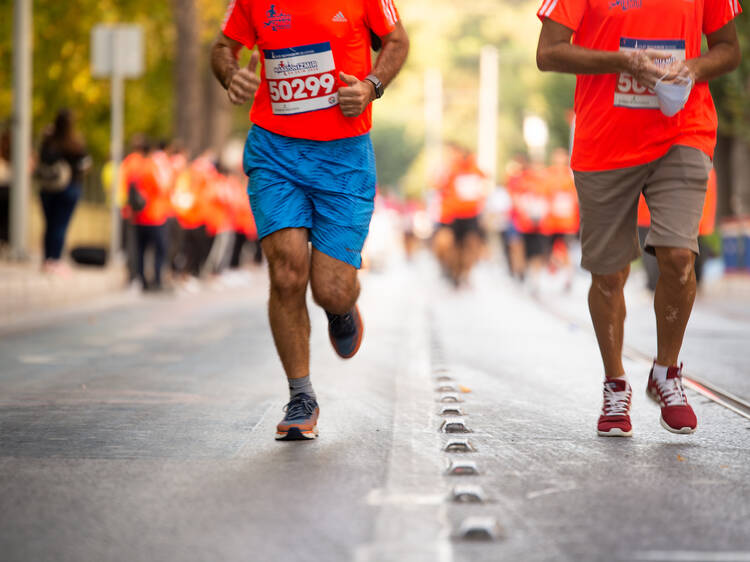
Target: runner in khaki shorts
{"type": "Point", "coordinates": [645, 122]}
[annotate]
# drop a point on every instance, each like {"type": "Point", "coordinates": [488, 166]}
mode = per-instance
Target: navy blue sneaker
{"type": "Point", "coordinates": [300, 421]}
{"type": "Point", "coordinates": [345, 331]}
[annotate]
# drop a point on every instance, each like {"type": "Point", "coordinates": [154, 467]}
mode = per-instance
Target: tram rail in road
{"type": "Point", "coordinates": [707, 389]}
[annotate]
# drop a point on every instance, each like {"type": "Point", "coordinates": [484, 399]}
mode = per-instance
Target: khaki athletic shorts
{"type": "Point", "coordinates": [674, 187]}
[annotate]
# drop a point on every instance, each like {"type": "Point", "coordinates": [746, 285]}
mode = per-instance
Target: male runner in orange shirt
{"type": "Point", "coordinates": [310, 161]}
{"type": "Point", "coordinates": [645, 122]}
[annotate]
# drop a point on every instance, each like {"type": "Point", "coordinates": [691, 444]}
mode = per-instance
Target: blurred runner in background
{"type": "Point", "coordinates": [645, 122]}
{"type": "Point", "coordinates": [512, 236]}
{"type": "Point", "coordinates": [462, 192]}
{"type": "Point", "coordinates": [529, 192]}
{"type": "Point", "coordinates": [563, 218]}
{"type": "Point", "coordinates": [310, 162]}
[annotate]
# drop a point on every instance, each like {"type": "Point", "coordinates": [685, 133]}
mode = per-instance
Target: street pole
{"type": "Point", "coordinates": [21, 131]}
{"type": "Point", "coordinates": [488, 107]}
{"type": "Point", "coordinates": [433, 121]}
{"type": "Point", "coordinates": [116, 142]}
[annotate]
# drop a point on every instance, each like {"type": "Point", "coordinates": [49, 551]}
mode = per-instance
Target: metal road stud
{"type": "Point", "coordinates": [479, 529]}
{"type": "Point", "coordinates": [459, 446]}
{"type": "Point", "coordinates": [452, 410]}
{"type": "Point", "coordinates": [446, 387]}
{"type": "Point", "coordinates": [450, 397]}
{"type": "Point", "coordinates": [467, 493]}
{"type": "Point", "coordinates": [454, 425]}
{"type": "Point", "coordinates": [444, 378]}
{"type": "Point", "coordinates": [463, 468]}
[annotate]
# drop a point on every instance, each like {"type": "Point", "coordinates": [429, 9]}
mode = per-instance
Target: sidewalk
{"type": "Point", "coordinates": [25, 290]}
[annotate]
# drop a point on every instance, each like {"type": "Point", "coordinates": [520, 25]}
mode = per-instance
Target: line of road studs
{"type": "Point", "coordinates": [453, 423]}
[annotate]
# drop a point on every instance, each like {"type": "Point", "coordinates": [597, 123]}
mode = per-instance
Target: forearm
{"type": "Point", "coordinates": [718, 60]}
{"type": "Point", "coordinates": [574, 59]}
{"type": "Point", "coordinates": [223, 63]}
{"type": "Point", "coordinates": [392, 56]}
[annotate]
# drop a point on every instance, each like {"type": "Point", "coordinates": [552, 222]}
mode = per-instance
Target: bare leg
{"type": "Point", "coordinates": [334, 283]}
{"type": "Point", "coordinates": [673, 301]}
{"type": "Point", "coordinates": [607, 307]}
{"type": "Point", "coordinates": [471, 250]}
{"type": "Point", "coordinates": [517, 257]}
{"type": "Point", "coordinates": [289, 268]}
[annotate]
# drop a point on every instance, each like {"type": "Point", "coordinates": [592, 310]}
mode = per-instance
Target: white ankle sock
{"type": "Point", "coordinates": [660, 372]}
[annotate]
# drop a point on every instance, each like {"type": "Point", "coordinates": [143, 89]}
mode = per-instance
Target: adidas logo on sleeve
{"type": "Point", "coordinates": [339, 18]}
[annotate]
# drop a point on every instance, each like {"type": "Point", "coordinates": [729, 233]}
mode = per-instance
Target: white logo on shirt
{"type": "Point", "coordinates": [339, 18]}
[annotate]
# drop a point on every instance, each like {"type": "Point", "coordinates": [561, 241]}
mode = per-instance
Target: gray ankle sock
{"type": "Point", "coordinates": [299, 386]}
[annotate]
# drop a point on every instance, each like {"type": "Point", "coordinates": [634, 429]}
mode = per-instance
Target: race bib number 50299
{"type": "Point", "coordinates": [628, 92]}
{"type": "Point", "coordinates": [301, 79]}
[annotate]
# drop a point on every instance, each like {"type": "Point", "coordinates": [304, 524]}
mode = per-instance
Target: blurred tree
{"type": "Point", "coordinates": [731, 95]}
{"type": "Point", "coordinates": [395, 150]}
{"type": "Point", "coordinates": [188, 116]}
{"type": "Point", "coordinates": [62, 76]}
{"type": "Point", "coordinates": [558, 90]}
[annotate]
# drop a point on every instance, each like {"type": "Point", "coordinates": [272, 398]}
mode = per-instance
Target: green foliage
{"type": "Point", "coordinates": [558, 90]}
{"type": "Point", "coordinates": [61, 68]}
{"type": "Point", "coordinates": [731, 93]}
{"type": "Point", "coordinates": [395, 152]}
{"type": "Point", "coordinates": [448, 36]}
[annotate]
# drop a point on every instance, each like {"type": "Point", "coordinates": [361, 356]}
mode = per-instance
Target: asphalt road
{"type": "Point", "coordinates": [144, 431]}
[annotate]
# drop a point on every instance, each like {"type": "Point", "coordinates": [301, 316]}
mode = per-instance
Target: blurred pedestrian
{"type": "Point", "coordinates": [310, 162]}
{"type": "Point", "coordinates": [148, 199]}
{"type": "Point", "coordinates": [63, 161]}
{"type": "Point", "coordinates": [645, 122]}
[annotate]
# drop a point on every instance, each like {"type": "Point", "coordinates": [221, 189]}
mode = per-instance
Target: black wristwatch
{"type": "Point", "coordinates": [378, 85]}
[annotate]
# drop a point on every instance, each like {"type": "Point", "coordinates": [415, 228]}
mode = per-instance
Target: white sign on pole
{"type": "Point", "coordinates": [116, 45]}
{"type": "Point", "coordinates": [116, 53]}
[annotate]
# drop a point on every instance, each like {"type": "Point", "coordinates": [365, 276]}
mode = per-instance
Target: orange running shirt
{"type": "Point", "coordinates": [464, 191]}
{"type": "Point", "coordinates": [304, 45]}
{"type": "Point", "coordinates": [618, 122]}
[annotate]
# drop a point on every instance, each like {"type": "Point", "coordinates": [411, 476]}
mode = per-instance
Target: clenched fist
{"type": "Point", "coordinates": [355, 96]}
{"type": "Point", "coordinates": [244, 82]}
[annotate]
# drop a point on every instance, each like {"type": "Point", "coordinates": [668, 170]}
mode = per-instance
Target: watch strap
{"type": "Point", "coordinates": [377, 84]}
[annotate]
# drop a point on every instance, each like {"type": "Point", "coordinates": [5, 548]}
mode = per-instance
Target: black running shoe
{"type": "Point", "coordinates": [345, 331]}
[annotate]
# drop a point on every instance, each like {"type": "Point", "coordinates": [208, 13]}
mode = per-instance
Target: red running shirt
{"type": "Point", "coordinates": [304, 45]}
{"type": "Point", "coordinates": [618, 122]}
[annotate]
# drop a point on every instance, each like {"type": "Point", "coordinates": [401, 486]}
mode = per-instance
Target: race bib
{"type": "Point", "coordinates": [469, 187]}
{"type": "Point", "coordinates": [301, 79]}
{"type": "Point", "coordinates": [628, 92]}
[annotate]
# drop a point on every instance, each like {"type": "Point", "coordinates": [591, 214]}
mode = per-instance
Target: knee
{"type": "Point", "coordinates": [289, 277]}
{"type": "Point", "coordinates": [610, 284]}
{"type": "Point", "coordinates": [335, 296]}
{"type": "Point", "coordinates": [676, 265]}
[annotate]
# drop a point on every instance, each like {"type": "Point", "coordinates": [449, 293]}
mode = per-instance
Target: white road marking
{"type": "Point", "coordinates": [562, 487]}
{"type": "Point", "coordinates": [412, 523]}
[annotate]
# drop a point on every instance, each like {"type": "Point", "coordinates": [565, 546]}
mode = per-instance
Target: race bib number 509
{"type": "Point", "coordinates": [628, 92]}
{"type": "Point", "coordinates": [301, 79]}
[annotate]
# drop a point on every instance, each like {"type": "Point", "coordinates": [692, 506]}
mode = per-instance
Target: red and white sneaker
{"type": "Point", "coordinates": [676, 414]}
{"type": "Point", "coordinates": [615, 418]}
